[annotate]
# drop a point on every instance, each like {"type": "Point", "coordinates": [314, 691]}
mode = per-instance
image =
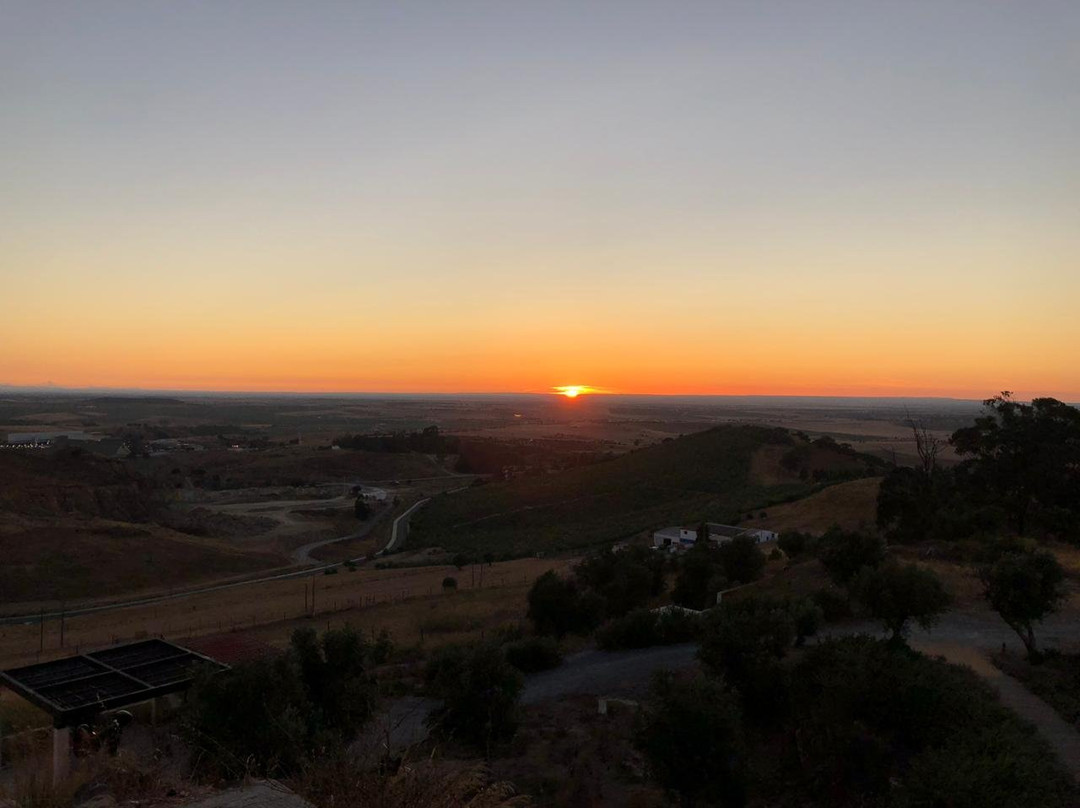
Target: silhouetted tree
{"type": "Point", "coordinates": [1026, 459]}
{"type": "Point", "coordinates": [1024, 588]}
{"type": "Point", "coordinates": [844, 553]}
{"type": "Point", "coordinates": [896, 594]}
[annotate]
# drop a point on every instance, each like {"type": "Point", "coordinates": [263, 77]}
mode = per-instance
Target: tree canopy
{"type": "Point", "coordinates": [896, 594]}
{"type": "Point", "coordinates": [1024, 588]}
{"type": "Point", "coordinates": [1026, 459]}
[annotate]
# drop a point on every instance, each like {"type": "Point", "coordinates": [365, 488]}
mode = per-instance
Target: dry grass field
{"type": "Point", "coordinates": [96, 558]}
{"type": "Point", "coordinates": [850, 505]}
{"type": "Point", "coordinates": [364, 597]}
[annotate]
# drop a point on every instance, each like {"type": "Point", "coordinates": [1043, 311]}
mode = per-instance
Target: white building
{"type": "Point", "coordinates": [676, 539]}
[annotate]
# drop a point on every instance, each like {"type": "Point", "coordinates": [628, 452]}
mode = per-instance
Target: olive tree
{"type": "Point", "coordinates": [1024, 588]}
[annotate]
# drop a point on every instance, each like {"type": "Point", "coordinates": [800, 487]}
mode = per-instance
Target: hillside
{"type": "Point", "coordinates": [74, 526]}
{"type": "Point", "coordinates": [722, 474]}
{"type": "Point", "coordinates": [851, 505]}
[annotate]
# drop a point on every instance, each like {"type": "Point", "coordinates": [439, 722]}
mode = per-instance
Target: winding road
{"type": "Point", "coordinates": [398, 530]}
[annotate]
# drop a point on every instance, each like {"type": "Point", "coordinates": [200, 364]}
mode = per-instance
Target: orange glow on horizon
{"type": "Point", "coordinates": [573, 390]}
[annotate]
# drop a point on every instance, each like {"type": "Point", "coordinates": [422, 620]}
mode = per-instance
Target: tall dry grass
{"type": "Point", "coordinates": [423, 784]}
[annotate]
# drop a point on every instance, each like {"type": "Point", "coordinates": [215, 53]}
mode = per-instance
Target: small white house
{"type": "Point", "coordinates": [677, 539]}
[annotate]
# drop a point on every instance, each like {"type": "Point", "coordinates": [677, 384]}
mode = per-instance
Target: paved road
{"type": "Point", "coordinates": [607, 673]}
{"type": "Point", "coordinates": [302, 555]}
{"type": "Point", "coordinates": [200, 590]}
{"type": "Point", "coordinates": [400, 528]}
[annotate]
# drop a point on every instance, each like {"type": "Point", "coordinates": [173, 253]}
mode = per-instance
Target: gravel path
{"type": "Point", "coordinates": [607, 673]}
{"type": "Point", "coordinates": [1060, 734]}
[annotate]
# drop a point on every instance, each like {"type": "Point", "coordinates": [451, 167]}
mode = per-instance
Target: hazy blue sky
{"type": "Point", "coordinates": [672, 196]}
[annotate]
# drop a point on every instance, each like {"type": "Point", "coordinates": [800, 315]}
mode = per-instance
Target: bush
{"type": "Point", "coordinates": [479, 689]}
{"type": "Point", "coordinates": [635, 630]}
{"type": "Point", "coordinates": [533, 654]}
{"type": "Point", "coordinates": [691, 734]}
{"type": "Point", "coordinates": [795, 543]}
{"type": "Point", "coordinates": [880, 724]}
{"type": "Point", "coordinates": [807, 617]}
{"type": "Point", "coordinates": [742, 559]}
{"type": "Point", "coordinates": [834, 604]}
{"type": "Point", "coordinates": [643, 628]}
{"type": "Point", "coordinates": [699, 578]}
{"type": "Point", "coordinates": [271, 716]}
{"type": "Point", "coordinates": [625, 580]}
{"type": "Point", "coordinates": [556, 606]}
{"type": "Point", "coordinates": [844, 553]}
{"type": "Point", "coordinates": [744, 641]}
{"type": "Point", "coordinates": [449, 583]}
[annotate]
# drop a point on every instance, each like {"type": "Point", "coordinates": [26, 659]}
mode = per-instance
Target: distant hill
{"type": "Point", "coordinates": [73, 525]}
{"type": "Point", "coordinates": [723, 474]}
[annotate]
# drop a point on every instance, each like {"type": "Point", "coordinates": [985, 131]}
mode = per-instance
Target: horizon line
{"type": "Point", "coordinates": [163, 392]}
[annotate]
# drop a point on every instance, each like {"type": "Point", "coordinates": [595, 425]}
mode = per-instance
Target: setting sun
{"type": "Point", "coordinates": [572, 390]}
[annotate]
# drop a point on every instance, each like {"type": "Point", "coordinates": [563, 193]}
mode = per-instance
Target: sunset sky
{"type": "Point", "coordinates": [871, 198]}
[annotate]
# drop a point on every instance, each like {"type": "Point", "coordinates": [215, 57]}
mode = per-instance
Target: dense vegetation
{"type": "Point", "coordinates": [705, 476]}
{"type": "Point", "coordinates": [478, 689]}
{"type": "Point", "coordinates": [274, 716]}
{"type": "Point", "coordinates": [605, 585]}
{"type": "Point", "coordinates": [852, 722]}
{"type": "Point", "coordinates": [1020, 474]}
{"type": "Point", "coordinates": [484, 455]}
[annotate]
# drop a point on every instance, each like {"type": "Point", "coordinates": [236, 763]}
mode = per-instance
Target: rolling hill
{"type": "Point", "coordinates": [723, 474]}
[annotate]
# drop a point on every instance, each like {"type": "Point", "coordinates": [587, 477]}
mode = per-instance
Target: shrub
{"type": "Point", "coordinates": [635, 630]}
{"type": "Point", "coordinates": [676, 626]}
{"type": "Point", "coordinates": [691, 734]}
{"type": "Point", "coordinates": [880, 724]}
{"type": "Point", "coordinates": [449, 583]}
{"type": "Point", "coordinates": [744, 641]}
{"type": "Point", "coordinates": [625, 580]}
{"type": "Point", "coordinates": [271, 716]}
{"type": "Point", "coordinates": [807, 617]}
{"type": "Point", "coordinates": [795, 543]}
{"type": "Point", "coordinates": [834, 604]}
{"type": "Point", "coordinates": [699, 578]}
{"type": "Point", "coordinates": [742, 559]}
{"type": "Point", "coordinates": [533, 654]}
{"type": "Point", "coordinates": [844, 553]}
{"type": "Point", "coordinates": [479, 689]}
{"type": "Point", "coordinates": [556, 606]}
{"type": "Point", "coordinates": [643, 628]}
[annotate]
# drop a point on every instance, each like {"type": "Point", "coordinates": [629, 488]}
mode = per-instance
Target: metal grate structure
{"type": "Point", "coordinates": [77, 687]}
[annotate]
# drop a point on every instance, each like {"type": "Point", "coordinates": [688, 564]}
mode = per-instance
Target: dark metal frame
{"type": "Point", "coordinates": [107, 679]}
